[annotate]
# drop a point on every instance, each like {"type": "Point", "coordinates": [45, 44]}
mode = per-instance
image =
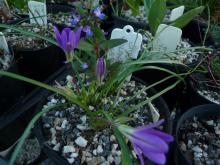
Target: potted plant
{"type": "Point", "coordinates": [101, 103]}
{"type": "Point", "coordinates": [205, 80]}
{"type": "Point", "coordinates": [197, 136]}
{"type": "Point", "coordinates": [142, 15]}
{"type": "Point", "coordinates": [7, 85]}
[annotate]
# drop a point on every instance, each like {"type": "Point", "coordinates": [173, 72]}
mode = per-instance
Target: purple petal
{"type": "Point", "coordinates": [139, 154]}
{"type": "Point", "coordinates": [58, 36]}
{"type": "Point", "coordinates": [150, 126]}
{"type": "Point", "coordinates": [72, 40]}
{"type": "Point", "coordinates": [77, 38]}
{"type": "Point", "coordinates": [158, 158]}
{"type": "Point", "coordinates": [64, 38]}
{"type": "Point", "coordinates": [100, 68]}
{"type": "Point", "coordinates": [147, 143]}
{"type": "Point", "coordinates": [166, 137]}
{"type": "Point", "coordinates": [101, 16]}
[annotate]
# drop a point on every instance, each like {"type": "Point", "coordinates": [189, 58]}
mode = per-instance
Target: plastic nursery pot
{"type": "Point", "coordinates": [202, 111]}
{"type": "Point", "coordinates": [120, 22]}
{"type": "Point", "coordinates": [58, 159]}
{"type": "Point", "coordinates": [14, 122]}
{"type": "Point", "coordinates": [54, 8]}
{"type": "Point", "coordinates": [39, 64]}
{"type": "Point", "coordinates": [11, 90]}
{"type": "Point", "coordinates": [173, 97]}
{"type": "Point", "coordinates": [195, 97]}
{"type": "Point", "coordinates": [195, 31]}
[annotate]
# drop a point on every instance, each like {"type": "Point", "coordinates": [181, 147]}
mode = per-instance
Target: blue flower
{"type": "Point", "coordinates": [84, 66]}
{"type": "Point", "coordinates": [99, 14]}
{"type": "Point", "coordinates": [88, 31]}
{"type": "Point", "coordinates": [75, 19]}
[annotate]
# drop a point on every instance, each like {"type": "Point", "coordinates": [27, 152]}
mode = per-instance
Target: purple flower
{"type": "Point", "coordinates": [148, 142]}
{"type": "Point", "coordinates": [88, 31]}
{"type": "Point", "coordinates": [84, 66]}
{"type": "Point", "coordinates": [68, 40]}
{"type": "Point", "coordinates": [75, 19]}
{"type": "Point", "coordinates": [100, 69]}
{"type": "Point", "coordinates": [99, 14]}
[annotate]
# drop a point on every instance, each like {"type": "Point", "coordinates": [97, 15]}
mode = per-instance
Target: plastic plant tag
{"type": "Point", "coordinates": [128, 50]}
{"type": "Point", "coordinates": [167, 38]}
{"type": "Point", "coordinates": [3, 42]}
{"type": "Point", "coordinates": [37, 12]}
{"type": "Point", "coordinates": [154, 112]}
{"type": "Point", "coordinates": [176, 13]}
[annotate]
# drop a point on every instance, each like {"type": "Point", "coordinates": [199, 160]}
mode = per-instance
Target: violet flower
{"type": "Point", "coordinates": [149, 142]}
{"type": "Point", "coordinates": [75, 20]}
{"type": "Point", "coordinates": [67, 39]}
{"type": "Point", "coordinates": [88, 31]}
{"type": "Point", "coordinates": [98, 13]}
{"type": "Point", "coordinates": [100, 69]}
{"type": "Point", "coordinates": [84, 66]}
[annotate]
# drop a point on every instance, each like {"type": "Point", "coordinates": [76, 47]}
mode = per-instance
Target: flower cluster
{"type": "Point", "coordinates": [93, 17]}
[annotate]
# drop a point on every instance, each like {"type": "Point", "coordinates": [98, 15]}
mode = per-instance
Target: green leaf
{"type": "Point", "coordinates": [147, 6]}
{"type": "Point", "coordinates": [134, 5]}
{"type": "Point", "coordinates": [187, 17]}
{"type": "Point", "coordinates": [99, 34]}
{"type": "Point", "coordinates": [126, 153]}
{"type": "Point", "coordinates": [156, 14]}
{"type": "Point", "coordinates": [84, 45]}
{"type": "Point", "coordinates": [108, 44]}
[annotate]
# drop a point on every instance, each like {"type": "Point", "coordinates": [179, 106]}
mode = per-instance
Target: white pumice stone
{"type": "Point", "coordinates": [64, 123]}
{"type": "Point", "coordinates": [99, 149]}
{"type": "Point", "coordinates": [70, 160]}
{"type": "Point", "coordinates": [67, 149]}
{"type": "Point", "coordinates": [80, 141]}
{"type": "Point", "coordinates": [56, 147]}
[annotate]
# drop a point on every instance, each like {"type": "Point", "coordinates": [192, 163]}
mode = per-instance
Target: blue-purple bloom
{"type": "Point", "coordinates": [98, 13]}
{"type": "Point", "coordinates": [88, 31]}
{"type": "Point", "coordinates": [149, 142]}
{"type": "Point", "coordinates": [84, 66]}
{"type": "Point", "coordinates": [67, 39]}
{"type": "Point", "coordinates": [100, 69]}
{"type": "Point", "coordinates": [75, 19]}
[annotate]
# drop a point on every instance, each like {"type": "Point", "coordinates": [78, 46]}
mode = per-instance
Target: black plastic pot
{"type": "Point", "coordinates": [195, 32]}
{"type": "Point", "coordinates": [120, 22]}
{"type": "Point", "coordinates": [58, 159]}
{"type": "Point", "coordinates": [14, 122]}
{"type": "Point", "coordinates": [202, 111]}
{"type": "Point", "coordinates": [39, 64]}
{"type": "Point", "coordinates": [55, 8]}
{"type": "Point", "coordinates": [11, 90]}
{"type": "Point", "coordinates": [195, 97]}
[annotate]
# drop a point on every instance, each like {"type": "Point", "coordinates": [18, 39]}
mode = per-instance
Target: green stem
{"type": "Point", "coordinates": [27, 132]}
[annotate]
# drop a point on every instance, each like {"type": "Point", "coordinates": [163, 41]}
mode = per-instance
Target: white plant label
{"type": "Point", "coordinates": [167, 38]}
{"type": "Point", "coordinates": [37, 12]}
{"type": "Point", "coordinates": [154, 112]}
{"type": "Point", "coordinates": [128, 50]}
{"type": "Point", "coordinates": [3, 42]}
{"type": "Point", "coordinates": [176, 13]}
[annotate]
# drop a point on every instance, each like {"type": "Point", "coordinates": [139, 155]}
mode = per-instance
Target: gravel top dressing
{"type": "Point", "coordinates": [69, 130]}
{"type": "Point", "coordinates": [20, 41]}
{"type": "Point", "coordinates": [199, 140]}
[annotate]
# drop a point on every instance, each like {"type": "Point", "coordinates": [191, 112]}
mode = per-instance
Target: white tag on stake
{"type": "Point", "coordinates": [128, 50]}
{"type": "Point", "coordinates": [154, 112]}
{"type": "Point", "coordinates": [167, 38]}
{"type": "Point", "coordinates": [3, 42]}
{"type": "Point", "coordinates": [37, 12]}
{"type": "Point", "coordinates": [176, 13]}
